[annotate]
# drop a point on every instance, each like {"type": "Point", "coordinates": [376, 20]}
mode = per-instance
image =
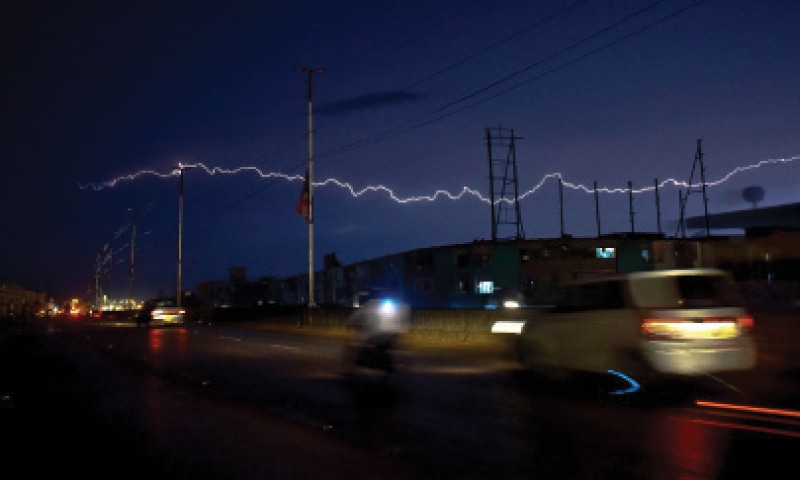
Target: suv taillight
{"type": "Point", "coordinates": [660, 328]}
{"type": "Point", "coordinates": [745, 321]}
{"type": "Point", "coordinates": [707, 328]}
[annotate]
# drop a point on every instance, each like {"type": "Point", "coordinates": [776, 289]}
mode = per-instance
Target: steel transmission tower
{"type": "Point", "coordinates": [682, 199]}
{"type": "Point", "coordinates": [503, 184]}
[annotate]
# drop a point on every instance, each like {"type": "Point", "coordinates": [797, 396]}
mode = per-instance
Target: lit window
{"type": "Point", "coordinates": [485, 287]}
{"type": "Point", "coordinates": [601, 252]}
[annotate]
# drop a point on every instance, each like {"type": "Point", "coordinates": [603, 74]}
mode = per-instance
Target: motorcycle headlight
{"type": "Point", "coordinates": [387, 307]}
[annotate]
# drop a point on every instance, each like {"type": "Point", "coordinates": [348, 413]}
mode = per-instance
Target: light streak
{"type": "Point", "coordinates": [752, 428]}
{"type": "Point", "coordinates": [437, 194]}
{"type": "Point", "coordinates": [633, 384]}
{"type": "Point", "coordinates": [749, 408]}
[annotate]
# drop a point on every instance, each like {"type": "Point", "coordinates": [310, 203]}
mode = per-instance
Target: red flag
{"type": "Point", "coordinates": [303, 206]}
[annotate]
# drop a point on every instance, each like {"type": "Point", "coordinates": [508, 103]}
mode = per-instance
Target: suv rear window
{"type": "Point", "coordinates": [599, 295]}
{"type": "Point", "coordinates": [686, 291]}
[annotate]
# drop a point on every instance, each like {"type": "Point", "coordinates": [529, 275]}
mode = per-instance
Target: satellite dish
{"type": "Point", "coordinates": [753, 194]}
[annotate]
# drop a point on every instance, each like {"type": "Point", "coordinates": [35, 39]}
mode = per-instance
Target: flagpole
{"type": "Point", "coordinates": [310, 73]}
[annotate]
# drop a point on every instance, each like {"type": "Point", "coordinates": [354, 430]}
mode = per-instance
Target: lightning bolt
{"type": "Point", "coordinates": [437, 194]}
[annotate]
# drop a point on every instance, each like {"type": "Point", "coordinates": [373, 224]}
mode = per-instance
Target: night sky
{"type": "Point", "coordinates": [101, 101]}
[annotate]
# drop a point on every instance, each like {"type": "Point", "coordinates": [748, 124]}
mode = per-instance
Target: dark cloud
{"type": "Point", "coordinates": [370, 100]}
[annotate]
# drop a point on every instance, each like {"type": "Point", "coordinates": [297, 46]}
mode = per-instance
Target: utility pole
{"type": "Point", "coordinates": [699, 158]}
{"type": "Point", "coordinates": [561, 204]}
{"type": "Point", "coordinates": [630, 203]}
{"type": "Point", "coordinates": [596, 209]}
{"type": "Point", "coordinates": [658, 206]}
{"type": "Point", "coordinates": [310, 76]}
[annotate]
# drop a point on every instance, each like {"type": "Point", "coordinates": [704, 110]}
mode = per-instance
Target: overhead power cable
{"type": "Point", "coordinates": [417, 123]}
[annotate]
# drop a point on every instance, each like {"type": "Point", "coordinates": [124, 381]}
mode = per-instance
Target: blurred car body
{"type": "Point", "coordinates": [161, 312]}
{"type": "Point", "coordinates": [647, 325]}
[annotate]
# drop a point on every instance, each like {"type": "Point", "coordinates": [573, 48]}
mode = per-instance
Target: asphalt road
{"type": "Point", "coordinates": [271, 408]}
{"type": "Point", "coordinates": [67, 410]}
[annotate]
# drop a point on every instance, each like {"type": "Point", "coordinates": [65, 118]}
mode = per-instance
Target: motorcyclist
{"type": "Point", "coordinates": [377, 325]}
{"type": "Point", "coordinates": [143, 315]}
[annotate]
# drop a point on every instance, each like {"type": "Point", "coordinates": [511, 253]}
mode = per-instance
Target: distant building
{"type": "Point", "coordinates": [479, 274]}
{"type": "Point", "coordinates": [485, 274]}
{"type": "Point", "coordinates": [237, 291]}
{"type": "Point", "coordinates": [16, 301]}
{"type": "Point", "coordinates": [754, 220]}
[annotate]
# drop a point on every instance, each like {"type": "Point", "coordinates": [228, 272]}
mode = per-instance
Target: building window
{"type": "Point", "coordinates": [423, 285]}
{"type": "Point", "coordinates": [464, 285]}
{"type": "Point", "coordinates": [605, 252]}
{"type": "Point", "coordinates": [483, 259]}
{"type": "Point", "coordinates": [462, 260]}
{"type": "Point", "coordinates": [485, 287]}
{"type": "Point", "coordinates": [424, 262]}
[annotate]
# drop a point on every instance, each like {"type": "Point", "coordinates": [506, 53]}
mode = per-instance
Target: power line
{"type": "Point", "coordinates": [552, 56]}
{"type": "Point", "coordinates": [467, 58]}
{"type": "Point", "coordinates": [496, 44]}
{"type": "Point", "coordinates": [418, 123]}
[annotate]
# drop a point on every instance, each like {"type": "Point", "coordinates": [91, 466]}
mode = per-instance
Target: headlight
{"type": "Point", "coordinates": [387, 307]}
{"type": "Point", "coordinates": [511, 304]}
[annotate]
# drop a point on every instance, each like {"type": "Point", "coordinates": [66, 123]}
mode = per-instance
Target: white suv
{"type": "Point", "coordinates": [644, 325]}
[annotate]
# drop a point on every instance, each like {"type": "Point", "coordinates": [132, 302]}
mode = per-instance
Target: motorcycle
{"type": "Point", "coordinates": [376, 357]}
{"type": "Point", "coordinates": [369, 357]}
{"type": "Point", "coordinates": [376, 327]}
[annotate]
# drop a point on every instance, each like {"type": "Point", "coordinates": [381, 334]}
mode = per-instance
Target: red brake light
{"type": "Point", "coordinates": [745, 321]}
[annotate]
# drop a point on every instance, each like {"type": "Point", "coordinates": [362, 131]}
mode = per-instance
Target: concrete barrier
{"type": "Point", "coordinates": [428, 327]}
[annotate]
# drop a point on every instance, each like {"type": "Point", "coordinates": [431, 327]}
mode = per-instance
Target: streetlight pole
{"type": "Point", "coordinates": [97, 281]}
{"type": "Point", "coordinates": [179, 293]}
{"type": "Point", "coordinates": [133, 249]}
{"type": "Point", "coordinates": [310, 73]}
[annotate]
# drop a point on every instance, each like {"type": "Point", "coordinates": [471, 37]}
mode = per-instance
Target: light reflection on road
{"type": "Point", "coordinates": [780, 412]}
{"type": "Point", "coordinates": [770, 421]}
{"type": "Point", "coordinates": [697, 452]}
{"type": "Point", "coordinates": [466, 409]}
{"type": "Point", "coordinates": [157, 338]}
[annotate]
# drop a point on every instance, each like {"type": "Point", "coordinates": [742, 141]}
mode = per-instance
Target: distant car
{"type": "Point", "coordinates": [156, 313]}
{"type": "Point", "coordinates": [645, 325]}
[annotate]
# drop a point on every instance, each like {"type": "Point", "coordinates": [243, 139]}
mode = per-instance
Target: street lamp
{"type": "Point", "coordinates": [133, 249]}
{"type": "Point", "coordinates": [97, 266]}
{"type": "Point", "coordinates": [179, 296]}
{"type": "Point", "coordinates": [310, 74]}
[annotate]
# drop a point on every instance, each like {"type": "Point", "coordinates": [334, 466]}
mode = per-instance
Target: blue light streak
{"type": "Point", "coordinates": [634, 385]}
